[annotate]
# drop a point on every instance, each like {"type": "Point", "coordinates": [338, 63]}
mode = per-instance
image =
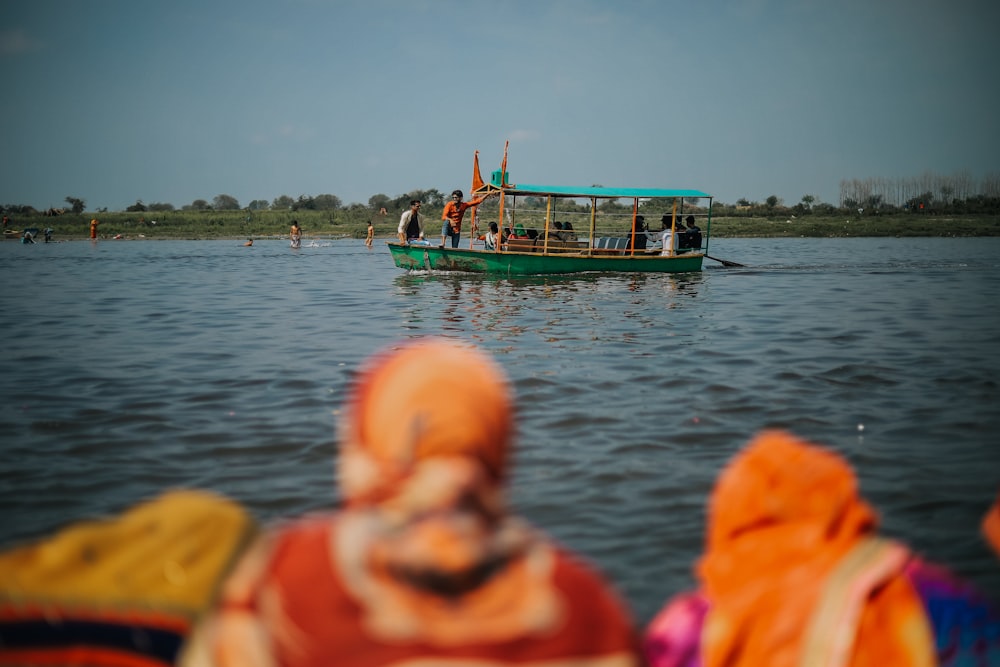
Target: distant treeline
{"type": "Point", "coordinates": [957, 194]}
{"type": "Point", "coordinates": [224, 202]}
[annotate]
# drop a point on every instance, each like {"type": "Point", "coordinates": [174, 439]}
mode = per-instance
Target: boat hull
{"type": "Point", "coordinates": [436, 258]}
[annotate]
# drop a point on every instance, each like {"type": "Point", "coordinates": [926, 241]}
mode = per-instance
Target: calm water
{"type": "Point", "coordinates": [130, 367]}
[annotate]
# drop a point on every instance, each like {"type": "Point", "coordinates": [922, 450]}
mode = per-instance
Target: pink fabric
{"type": "Point", "coordinates": [673, 636]}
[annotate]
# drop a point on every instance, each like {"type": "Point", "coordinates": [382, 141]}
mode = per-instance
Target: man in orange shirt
{"type": "Point", "coordinates": [452, 216]}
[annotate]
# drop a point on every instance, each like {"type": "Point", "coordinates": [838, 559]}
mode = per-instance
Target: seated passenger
{"type": "Point", "coordinates": [568, 234]}
{"type": "Point", "coordinates": [692, 235]}
{"type": "Point", "coordinates": [556, 233]}
{"type": "Point", "coordinates": [794, 573]}
{"type": "Point", "coordinates": [668, 240]}
{"type": "Point", "coordinates": [489, 239]}
{"type": "Point", "coordinates": [640, 234]}
{"type": "Point", "coordinates": [424, 564]}
{"type": "Point", "coordinates": [411, 224]}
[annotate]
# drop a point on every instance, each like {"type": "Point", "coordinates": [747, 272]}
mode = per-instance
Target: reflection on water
{"type": "Point", "coordinates": [131, 367]}
{"type": "Point", "coordinates": [503, 307]}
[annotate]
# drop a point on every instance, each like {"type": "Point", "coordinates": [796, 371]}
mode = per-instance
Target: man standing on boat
{"type": "Point", "coordinates": [452, 216]}
{"type": "Point", "coordinates": [411, 227]}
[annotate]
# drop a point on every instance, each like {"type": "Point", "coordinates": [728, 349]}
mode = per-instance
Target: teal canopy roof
{"type": "Point", "coordinates": [574, 191]}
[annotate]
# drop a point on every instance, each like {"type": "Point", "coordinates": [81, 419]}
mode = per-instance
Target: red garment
{"type": "Point", "coordinates": [314, 608]}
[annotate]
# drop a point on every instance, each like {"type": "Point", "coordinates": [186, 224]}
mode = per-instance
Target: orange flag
{"type": "Point", "coordinates": [503, 165]}
{"type": "Point", "coordinates": [477, 179]}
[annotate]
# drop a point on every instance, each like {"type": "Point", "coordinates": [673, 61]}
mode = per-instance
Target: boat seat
{"type": "Point", "coordinates": [562, 246]}
{"type": "Point", "coordinates": [521, 245]}
{"type": "Point", "coordinates": [610, 245]}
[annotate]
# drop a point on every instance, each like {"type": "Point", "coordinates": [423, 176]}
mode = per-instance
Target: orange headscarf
{"type": "Point", "coordinates": [430, 398]}
{"type": "Point", "coordinates": [784, 516]}
{"type": "Point", "coordinates": [991, 526]}
{"type": "Point", "coordinates": [425, 441]}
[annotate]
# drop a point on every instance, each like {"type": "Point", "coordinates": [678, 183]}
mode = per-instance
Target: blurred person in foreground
{"type": "Point", "coordinates": [423, 564]}
{"type": "Point", "coordinates": [123, 590]}
{"type": "Point", "coordinates": [991, 526]}
{"type": "Point", "coordinates": [794, 573]}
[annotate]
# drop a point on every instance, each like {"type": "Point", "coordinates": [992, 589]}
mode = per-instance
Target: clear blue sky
{"type": "Point", "coordinates": [112, 101]}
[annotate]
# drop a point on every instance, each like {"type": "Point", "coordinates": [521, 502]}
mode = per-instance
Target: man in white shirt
{"type": "Point", "coordinates": [411, 227]}
{"type": "Point", "coordinates": [668, 235]}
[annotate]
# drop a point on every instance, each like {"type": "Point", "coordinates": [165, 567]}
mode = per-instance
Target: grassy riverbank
{"type": "Point", "coordinates": [820, 227]}
{"type": "Point", "coordinates": [354, 224]}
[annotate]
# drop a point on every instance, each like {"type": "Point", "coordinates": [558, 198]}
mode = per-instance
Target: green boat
{"type": "Point", "coordinates": [546, 229]}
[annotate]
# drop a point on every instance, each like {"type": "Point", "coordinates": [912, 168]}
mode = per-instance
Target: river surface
{"type": "Point", "coordinates": [130, 367]}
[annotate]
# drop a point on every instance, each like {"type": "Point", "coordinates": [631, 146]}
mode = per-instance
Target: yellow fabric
{"type": "Point", "coordinates": [169, 553]}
